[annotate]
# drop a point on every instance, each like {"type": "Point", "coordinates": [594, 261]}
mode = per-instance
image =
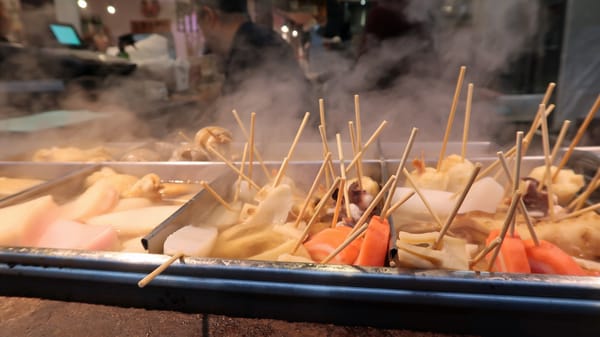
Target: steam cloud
{"type": "Point", "coordinates": [421, 97]}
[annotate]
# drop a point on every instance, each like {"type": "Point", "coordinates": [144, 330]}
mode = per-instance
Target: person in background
{"type": "Point", "coordinates": [387, 23]}
{"type": "Point", "coordinates": [4, 24]}
{"type": "Point", "coordinates": [260, 68]}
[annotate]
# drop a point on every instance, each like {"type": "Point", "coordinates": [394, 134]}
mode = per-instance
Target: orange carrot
{"type": "Point", "coordinates": [375, 244]}
{"type": "Point", "coordinates": [320, 245]}
{"type": "Point", "coordinates": [549, 259]}
{"type": "Point", "coordinates": [512, 257]}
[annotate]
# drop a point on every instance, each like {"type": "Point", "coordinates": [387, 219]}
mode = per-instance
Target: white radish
{"type": "Point", "coordinates": [191, 241]}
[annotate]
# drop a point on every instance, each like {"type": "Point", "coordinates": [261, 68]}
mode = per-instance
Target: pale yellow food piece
{"type": "Point", "coordinates": [430, 178]}
{"type": "Point", "coordinates": [452, 253]}
{"type": "Point", "coordinates": [9, 186]}
{"type": "Point", "coordinates": [566, 184]}
{"type": "Point", "coordinates": [72, 154]}
{"type": "Point", "coordinates": [458, 171]}
{"type": "Point", "coordinates": [97, 199]}
{"type": "Point", "coordinates": [22, 223]}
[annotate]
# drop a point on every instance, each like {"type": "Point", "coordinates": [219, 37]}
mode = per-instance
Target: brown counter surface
{"type": "Point", "coordinates": [32, 317]}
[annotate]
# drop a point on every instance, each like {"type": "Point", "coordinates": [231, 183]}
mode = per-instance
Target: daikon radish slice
{"type": "Point", "coordinates": [222, 217]}
{"type": "Point", "coordinates": [22, 224]}
{"type": "Point", "coordinates": [98, 199]}
{"type": "Point", "coordinates": [414, 209]}
{"type": "Point", "coordinates": [133, 245]}
{"type": "Point", "coordinates": [135, 222]}
{"type": "Point", "coordinates": [131, 203]}
{"type": "Point", "coordinates": [274, 207]}
{"type": "Point", "coordinates": [68, 234]}
{"type": "Point", "coordinates": [191, 241]}
{"type": "Point", "coordinates": [485, 195]}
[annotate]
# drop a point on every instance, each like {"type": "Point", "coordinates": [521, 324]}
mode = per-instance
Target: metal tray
{"type": "Point", "coordinates": [492, 304]}
{"type": "Point", "coordinates": [47, 173]}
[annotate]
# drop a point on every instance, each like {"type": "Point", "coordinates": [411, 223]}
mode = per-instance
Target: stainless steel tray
{"type": "Point", "coordinates": [48, 173]}
{"type": "Point", "coordinates": [459, 302]}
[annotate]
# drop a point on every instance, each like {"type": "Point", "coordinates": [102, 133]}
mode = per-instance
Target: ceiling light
{"type": "Point", "coordinates": [82, 3]}
{"type": "Point", "coordinates": [111, 9]}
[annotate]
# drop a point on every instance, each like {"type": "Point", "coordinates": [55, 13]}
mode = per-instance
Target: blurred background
{"type": "Point", "coordinates": [143, 61]}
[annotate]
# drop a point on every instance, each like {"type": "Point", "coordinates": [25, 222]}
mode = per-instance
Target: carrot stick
{"type": "Point", "coordinates": [512, 252]}
{"type": "Point", "coordinates": [549, 259]}
{"type": "Point", "coordinates": [375, 244]}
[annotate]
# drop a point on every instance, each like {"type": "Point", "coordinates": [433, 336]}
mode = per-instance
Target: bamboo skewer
{"type": "Point", "coordinates": [463, 152]}
{"type": "Point", "coordinates": [284, 165]}
{"type": "Point", "coordinates": [345, 192]}
{"type": "Point", "coordinates": [361, 225]}
{"type": "Point", "coordinates": [312, 189]}
{"type": "Point", "coordinates": [401, 165]}
{"type": "Point", "coordinates": [399, 203]}
{"type": "Point", "coordinates": [517, 172]}
{"type": "Point", "coordinates": [578, 136]}
{"type": "Point", "coordinates": [326, 150]}
{"type": "Point", "coordinates": [506, 170]}
{"type": "Point", "coordinates": [588, 191]}
{"type": "Point", "coordinates": [238, 190]}
{"type": "Point", "coordinates": [535, 125]}
{"type": "Point", "coordinates": [485, 252]}
{"type": "Point", "coordinates": [358, 121]}
{"type": "Point", "coordinates": [247, 136]}
{"type": "Point", "coordinates": [576, 200]}
{"type": "Point", "coordinates": [144, 282]}
{"type": "Point", "coordinates": [359, 144]}
{"type": "Point", "coordinates": [510, 214]}
{"type": "Point", "coordinates": [561, 137]}
{"type": "Point", "coordinates": [422, 196]}
{"type": "Point", "coordinates": [216, 196]}
{"type": "Point", "coordinates": [459, 84]}
{"type": "Point", "coordinates": [355, 149]}
{"type": "Point", "coordinates": [548, 94]}
{"type": "Point", "coordinates": [185, 137]}
{"type": "Point", "coordinates": [323, 131]}
{"type": "Point", "coordinates": [322, 113]}
{"type": "Point", "coordinates": [338, 204]}
{"type": "Point", "coordinates": [320, 206]}
{"type": "Point", "coordinates": [251, 144]}
{"type": "Point", "coordinates": [548, 174]}
{"type": "Point", "coordinates": [457, 205]}
{"type": "Point", "coordinates": [231, 166]}
{"type": "Point", "coordinates": [495, 164]}
{"type": "Point", "coordinates": [580, 212]}
{"type": "Point", "coordinates": [370, 141]}
{"type": "Point", "coordinates": [522, 206]}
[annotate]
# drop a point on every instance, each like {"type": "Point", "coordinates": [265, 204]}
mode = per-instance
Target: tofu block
{"type": "Point", "coordinates": [134, 222]}
{"type": "Point", "coordinates": [191, 241]}
{"type": "Point", "coordinates": [69, 234]}
{"type": "Point", "coordinates": [22, 224]}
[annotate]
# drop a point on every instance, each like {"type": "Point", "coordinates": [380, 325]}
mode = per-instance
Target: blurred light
{"type": "Point", "coordinates": [294, 33]}
{"type": "Point", "coordinates": [111, 9]}
{"type": "Point", "coordinates": [363, 2]}
{"type": "Point", "coordinates": [285, 29]}
{"type": "Point", "coordinates": [82, 4]}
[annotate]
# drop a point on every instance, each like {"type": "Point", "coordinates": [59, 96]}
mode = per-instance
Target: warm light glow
{"type": "Point", "coordinates": [294, 33]}
{"type": "Point", "coordinates": [285, 29]}
{"type": "Point", "coordinates": [111, 9]}
{"type": "Point", "coordinates": [82, 4]}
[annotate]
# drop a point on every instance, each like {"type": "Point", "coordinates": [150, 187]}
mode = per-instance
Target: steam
{"type": "Point", "coordinates": [421, 96]}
